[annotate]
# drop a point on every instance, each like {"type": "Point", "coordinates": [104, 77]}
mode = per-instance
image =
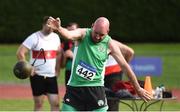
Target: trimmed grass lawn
{"type": "Point", "coordinates": [27, 105]}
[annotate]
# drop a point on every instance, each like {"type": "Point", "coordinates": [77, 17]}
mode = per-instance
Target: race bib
{"type": "Point", "coordinates": [86, 71]}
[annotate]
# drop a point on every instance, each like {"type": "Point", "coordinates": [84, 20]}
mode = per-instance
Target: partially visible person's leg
{"type": "Point", "coordinates": [109, 81]}
{"type": "Point", "coordinates": [54, 101]}
{"type": "Point", "coordinates": [38, 102]}
{"type": "Point", "coordinates": [37, 90]}
{"type": "Point", "coordinates": [113, 104]}
{"type": "Point", "coordinates": [52, 93]}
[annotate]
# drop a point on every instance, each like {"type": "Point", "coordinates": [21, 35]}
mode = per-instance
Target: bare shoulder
{"type": "Point", "coordinates": [117, 42]}
{"type": "Point", "coordinates": [111, 45]}
{"type": "Point", "coordinates": [22, 46]}
{"type": "Point", "coordinates": [121, 45]}
{"type": "Point", "coordinates": [83, 32]}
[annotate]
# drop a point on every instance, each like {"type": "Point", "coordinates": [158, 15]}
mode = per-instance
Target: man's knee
{"type": "Point", "coordinates": [54, 103]}
{"type": "Point", "coordinates": [38, 105]}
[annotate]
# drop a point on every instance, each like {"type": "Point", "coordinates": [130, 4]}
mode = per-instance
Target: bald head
{"type": "Point", "coordinates": [103, 23]}
{"type": "Point", "coordinates": [100, 29]}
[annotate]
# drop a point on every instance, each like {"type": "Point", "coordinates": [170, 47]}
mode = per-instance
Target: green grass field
{"type": "Point", "coordinates": [8, 60]}
{"type": "Point", "coordinates": [27, 105]}
{"type": "Point", "coordinates": [170, 77]}
{"type": "Point", "coordinates": [170, 56]}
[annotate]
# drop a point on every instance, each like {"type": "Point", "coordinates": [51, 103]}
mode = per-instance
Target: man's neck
{"type": "Point", "coordinates": [45, 33]}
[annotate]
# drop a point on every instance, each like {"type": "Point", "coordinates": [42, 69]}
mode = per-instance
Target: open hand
{"type": "Point", "coordinates": [145, 95]}
{"type": "Point", "coordinates": [33, 71]}
{"type": "Point", "coordinates": [54, 23]}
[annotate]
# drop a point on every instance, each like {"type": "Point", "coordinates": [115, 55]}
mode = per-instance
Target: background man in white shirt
{"type": "Point", "coordinates": [44, 78]}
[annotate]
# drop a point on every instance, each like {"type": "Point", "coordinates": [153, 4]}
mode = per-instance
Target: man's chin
{"type": "Point", "coordinates": [95, 41]}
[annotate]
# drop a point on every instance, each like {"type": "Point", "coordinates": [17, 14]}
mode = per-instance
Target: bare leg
{"type": "Point", "coordinates": [54, 101]}
{"type": "Point", "coordinates": [38, 102]}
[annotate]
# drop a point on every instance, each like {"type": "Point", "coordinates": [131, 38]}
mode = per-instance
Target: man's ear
{"type": "Point", "coordinates": [108, 31]}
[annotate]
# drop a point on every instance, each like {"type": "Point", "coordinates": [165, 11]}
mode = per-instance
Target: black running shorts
{"type": "Point", "coordinates": [43, 85]}
{"type": "Point", "coordinates": [85, 98]}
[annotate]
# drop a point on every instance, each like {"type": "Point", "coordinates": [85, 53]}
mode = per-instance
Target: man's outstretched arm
{"type": "Point", "coordinates": [117, 54]}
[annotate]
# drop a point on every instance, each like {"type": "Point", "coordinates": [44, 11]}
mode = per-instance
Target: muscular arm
{"type": "Point", "coordinates": [21, 56]}
{"type": "Point", "coordinates": [76, 34]}
{"type": "Point", "coordinates": [126, 51]}
{"type": "Point", "coordinates": [73, 34]}
{"type": "Point", "coordinates": [117, 54]}
{"type": "Point", "coordinates": [67, 54]}
{"type": "Point", "coordinates": [58, 61]}
{"type": "Point", "coordinates": [21, 52]}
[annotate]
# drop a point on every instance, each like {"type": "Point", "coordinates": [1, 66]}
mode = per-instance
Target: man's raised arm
{"type": "Point", "coordinates": [76, 34]}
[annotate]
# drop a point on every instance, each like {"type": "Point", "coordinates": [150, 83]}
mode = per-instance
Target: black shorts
{"type": "Point", "coordinates": [43, 85]}
{"type": "Point", "coordinates": [111, 79]}
{"type": "Point", "coordinates": [85, 98]}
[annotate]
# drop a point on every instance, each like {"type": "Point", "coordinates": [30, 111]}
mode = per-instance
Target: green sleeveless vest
{"type": "Point", "coordinates": [88, 65]}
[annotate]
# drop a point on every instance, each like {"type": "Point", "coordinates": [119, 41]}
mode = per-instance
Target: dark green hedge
{"type": "Point", "coordinates": [131, 20]}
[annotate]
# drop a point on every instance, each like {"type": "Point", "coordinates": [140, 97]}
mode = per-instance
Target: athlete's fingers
{"type": "Point", "coordinates": [58, 19]}
{"type": "Point", "coordinates": [51, 18]}
{"type": "Point", "coordinates": [33, 71]}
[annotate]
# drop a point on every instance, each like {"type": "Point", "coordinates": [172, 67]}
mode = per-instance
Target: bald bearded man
{"type": "Point", "coordinates": [85, 90]}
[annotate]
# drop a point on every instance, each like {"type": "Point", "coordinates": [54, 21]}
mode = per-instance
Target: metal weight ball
{"type": "Point", "coordinates": [22, 69]}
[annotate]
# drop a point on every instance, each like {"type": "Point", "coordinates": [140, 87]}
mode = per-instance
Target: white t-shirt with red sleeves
{"type": "Point", "coordinates": [51, 44]}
